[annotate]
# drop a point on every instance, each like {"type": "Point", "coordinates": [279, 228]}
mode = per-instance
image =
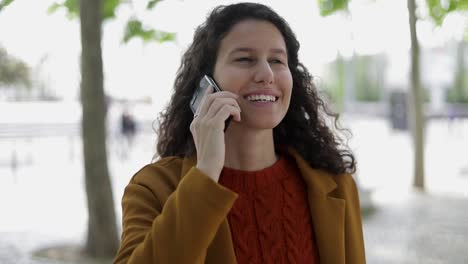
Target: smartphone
{"type": "Point", "coordinates": [200, 92]}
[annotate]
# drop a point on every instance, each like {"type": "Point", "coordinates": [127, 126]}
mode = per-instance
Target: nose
{"type": "Point", "coordinates": [263, 73]}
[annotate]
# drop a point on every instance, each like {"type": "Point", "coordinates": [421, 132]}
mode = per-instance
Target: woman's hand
{"type": "Point", "coordinates": [208, 130]}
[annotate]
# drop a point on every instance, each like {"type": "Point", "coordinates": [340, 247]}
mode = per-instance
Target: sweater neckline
{"type": "Point", "coordinates": [250, 180]}
{"type": "Point", "coordinates": [250, 173]}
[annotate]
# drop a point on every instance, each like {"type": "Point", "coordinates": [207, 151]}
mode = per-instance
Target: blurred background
{"type": "Point", "coordinates": [398, 76]}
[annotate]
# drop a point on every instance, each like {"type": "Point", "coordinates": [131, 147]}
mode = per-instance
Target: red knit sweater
{"type": "Point", "coordinates": [270, 221]}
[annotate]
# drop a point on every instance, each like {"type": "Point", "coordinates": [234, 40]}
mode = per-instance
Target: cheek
{"type": "Point", "coordinates": [286, 83]}
{"type": "Point", "coordinates": [227, 83]}
{"type": "Point", "coordinates": [230, 79]}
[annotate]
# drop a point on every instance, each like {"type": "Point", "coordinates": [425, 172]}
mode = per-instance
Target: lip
{"type": "Point", "coordinates": [260, 103]}
{"type": "Point", "coordinates": [262, 92]}
{"type": "Point", "coordinates": [265, 105]}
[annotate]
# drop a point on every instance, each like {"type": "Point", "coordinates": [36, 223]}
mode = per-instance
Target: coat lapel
{"type": "Point", "coordinates": [328, 212]}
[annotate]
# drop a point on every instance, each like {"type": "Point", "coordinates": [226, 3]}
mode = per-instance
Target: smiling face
{"type": "Point", "coordinates": [252, 62]}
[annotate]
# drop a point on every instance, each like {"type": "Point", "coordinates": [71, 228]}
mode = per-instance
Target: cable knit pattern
{"type": "Point", "coordinates": [270, 221]}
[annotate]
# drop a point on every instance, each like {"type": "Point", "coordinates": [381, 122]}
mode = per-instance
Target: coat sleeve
{"type": "Point", "coordinates": [174, 229]}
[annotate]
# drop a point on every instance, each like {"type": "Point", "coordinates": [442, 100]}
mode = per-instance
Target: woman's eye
{"type": "Point", "coordinates": [244, 59]}
{"type": "Point", "coordinates": [277, 61]}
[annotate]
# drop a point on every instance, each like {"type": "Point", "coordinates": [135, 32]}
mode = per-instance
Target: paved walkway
{"type": "Point", "coordinates": [420, 228]}
{"type": "Point", "coordinates": [43, 204]}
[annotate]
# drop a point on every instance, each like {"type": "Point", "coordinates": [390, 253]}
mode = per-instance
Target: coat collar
{"type": "Point", "coordinates": [187, 164]}
{"type": "Point", "coordinates": [327, 211]}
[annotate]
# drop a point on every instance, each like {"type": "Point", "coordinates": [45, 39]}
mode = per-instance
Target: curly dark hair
{"type": "Point", "coordinates": [303, 128]}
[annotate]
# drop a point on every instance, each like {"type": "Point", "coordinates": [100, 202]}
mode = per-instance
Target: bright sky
{"type": "Point", "coordinates": [135, 69]}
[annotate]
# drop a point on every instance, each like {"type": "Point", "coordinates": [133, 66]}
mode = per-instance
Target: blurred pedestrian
{"type": "Point", "coordinates": [128, 131]}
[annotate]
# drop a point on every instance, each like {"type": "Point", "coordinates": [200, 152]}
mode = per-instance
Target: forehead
{"type": "Point", "coordinates": [252, 34]}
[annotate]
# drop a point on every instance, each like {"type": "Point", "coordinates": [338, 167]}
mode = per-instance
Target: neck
{"type": "Point", "coordinates": [249, 150]}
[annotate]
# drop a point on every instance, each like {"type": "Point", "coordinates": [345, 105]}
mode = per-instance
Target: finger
{"type": "Point", "coordinates": [211, 96]}
{"type": "Point", "coordinates": [225, 112]}
{"type": "Point", "coordinates": [218, 103]}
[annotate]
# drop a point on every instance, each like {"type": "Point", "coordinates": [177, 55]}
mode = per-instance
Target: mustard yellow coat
{"type": "Point", "coordinates": [173, 213]}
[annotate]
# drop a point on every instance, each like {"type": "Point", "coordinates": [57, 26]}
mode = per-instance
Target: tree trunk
{"type": "Point", "coordinates": [416, 102]}
{"type": "Point", "coordinates": [460, 90]}
{"type": "Point", "coordinates": [102, 238]}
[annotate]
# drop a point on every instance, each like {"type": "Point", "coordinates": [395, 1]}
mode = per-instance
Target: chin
{"type": "Point", "coordinates": [263, 124]}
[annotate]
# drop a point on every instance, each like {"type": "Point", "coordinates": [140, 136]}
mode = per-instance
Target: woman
{"type": "Point", "coordinates": [275, 187]}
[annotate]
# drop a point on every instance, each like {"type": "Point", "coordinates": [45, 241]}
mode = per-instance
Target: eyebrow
{"type": "Point", "coordinates": [242, 49]}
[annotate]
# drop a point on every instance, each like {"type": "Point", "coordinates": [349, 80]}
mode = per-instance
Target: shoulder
{"type": "Point", "coordinates": [346, 187]}
{"type": "Point", "coordinates": [344, 180]}
{"type": "Point", "coordinates": [160, 177]}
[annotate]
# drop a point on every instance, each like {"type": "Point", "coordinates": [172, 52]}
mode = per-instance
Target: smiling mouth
{"type": "Point", "coordinates": [262, 98]}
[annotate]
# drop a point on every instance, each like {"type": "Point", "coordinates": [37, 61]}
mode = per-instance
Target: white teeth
{"type": "Point", "coordinates": [261, 97]}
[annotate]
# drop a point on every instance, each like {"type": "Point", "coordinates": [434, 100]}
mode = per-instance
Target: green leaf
{"type": "Point", "coordinates": [438, 12]}
{"type": "Point", "coordinates": [162, 36]}
{"type": "Point", "coordinates": [4, 3]}
{"type": "Point", "coordinates": [152, 3]}
{"type": "Point", "coordinates": [328, 7]}
{"type": "Point", "coordinates": [109, 7]}
{"type": "Point", "coordinates": [71, 7]}
{"type": "Point", "coordinates": [53, 8]}
{"type": "Point", "coordinates": [463, 5]}
{"type": "Point", "coordinates": [135, 29]}
{"type": "Point", "coordinates": [132, 28]}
